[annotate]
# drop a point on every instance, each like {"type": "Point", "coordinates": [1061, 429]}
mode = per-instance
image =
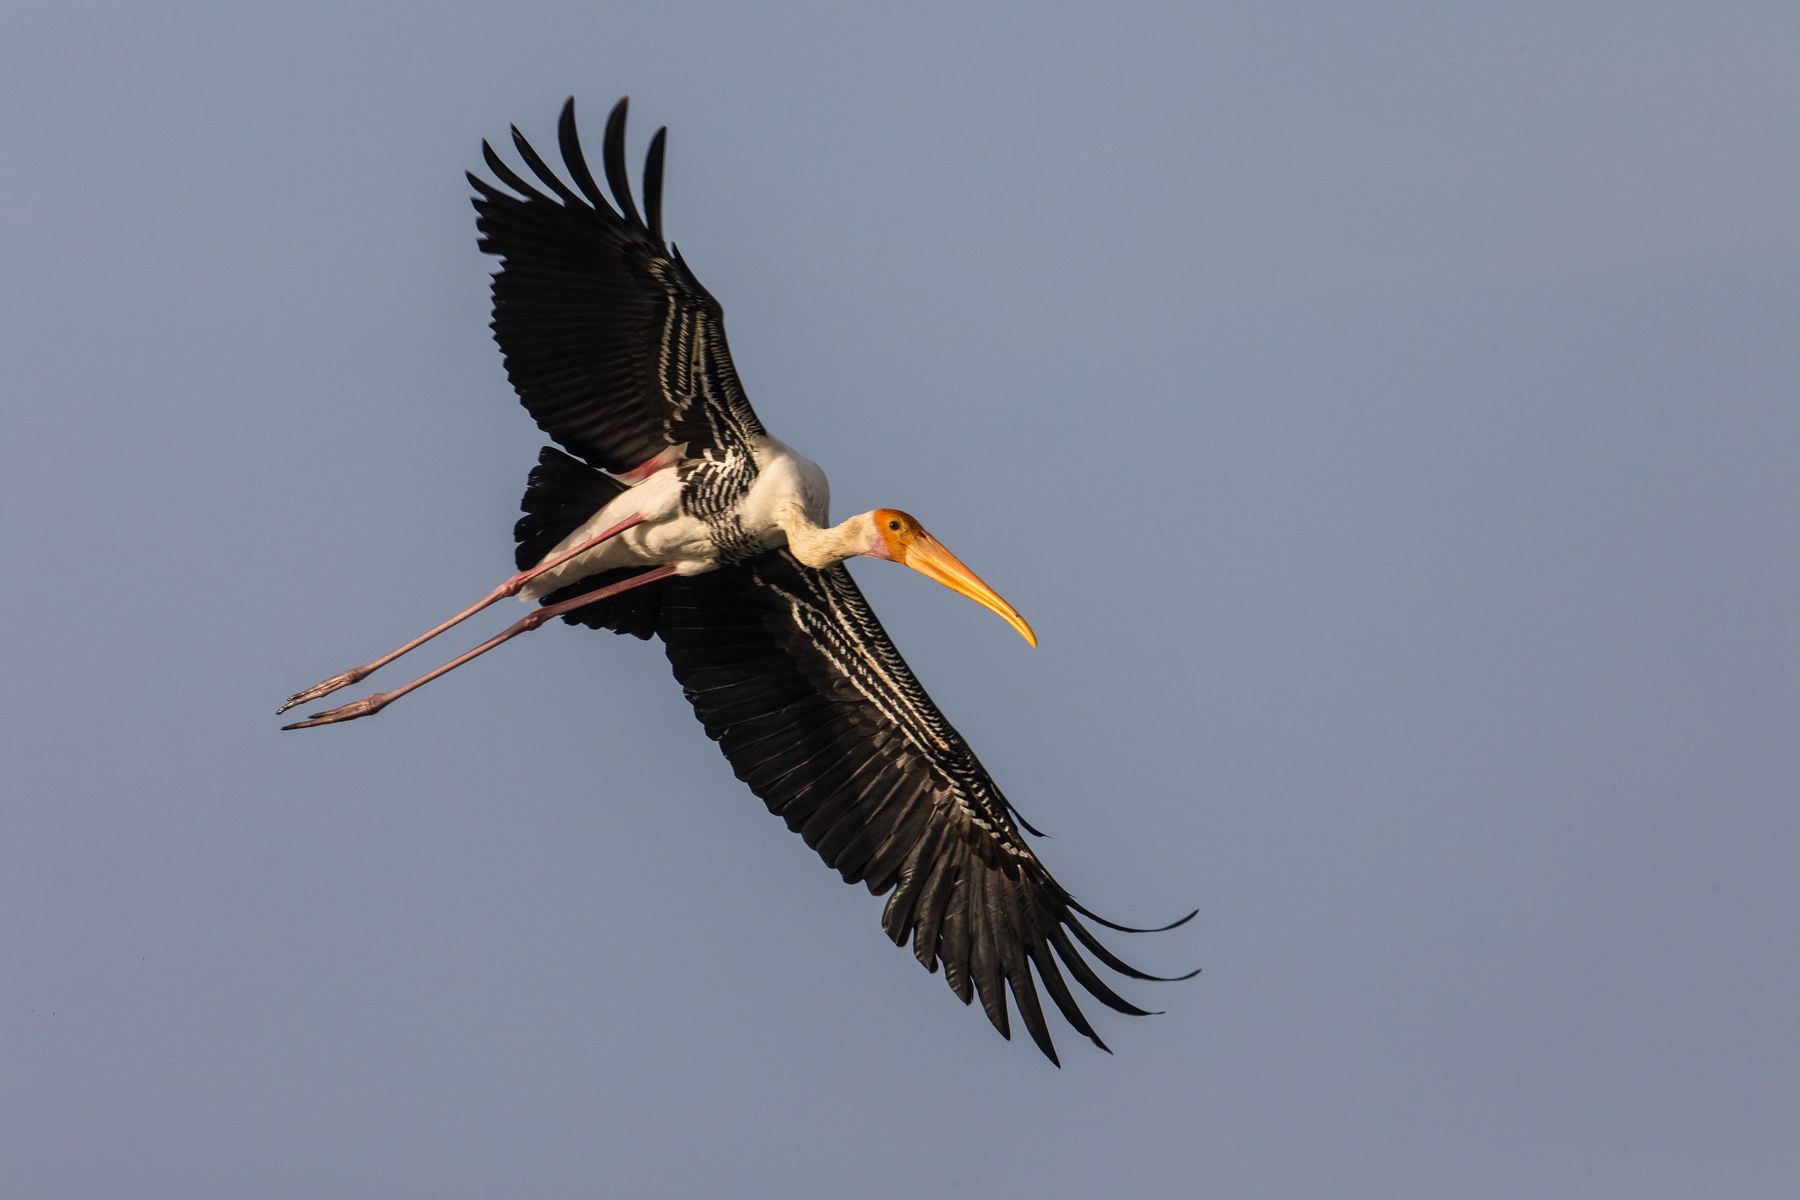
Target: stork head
{"type": "Point", "coordinates": [898, 537]}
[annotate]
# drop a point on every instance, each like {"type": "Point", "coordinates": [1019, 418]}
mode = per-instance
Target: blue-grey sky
{"type": "Point", "coordinates": [1388, 415]}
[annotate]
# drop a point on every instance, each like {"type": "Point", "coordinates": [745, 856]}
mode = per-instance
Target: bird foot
{"type": "Point", "coordinates": [345, 712]}
{"type": "Point", "coordinates": [319, 690]}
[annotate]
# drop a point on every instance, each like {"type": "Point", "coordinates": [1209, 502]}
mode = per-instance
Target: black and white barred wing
{"type": "Point", "coordinates": [794, 677]}
{"type": "Point", "coordinates": [613, 346]}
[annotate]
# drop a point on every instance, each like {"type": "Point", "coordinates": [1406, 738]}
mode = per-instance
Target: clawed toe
{"type": "Point", "coordinates": [318, 690]}
{"type": "Point", "coordinates": [344, 712]}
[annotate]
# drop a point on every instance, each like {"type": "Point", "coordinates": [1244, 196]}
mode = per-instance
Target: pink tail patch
{"type": "Point", "coordinates": [649, 467]}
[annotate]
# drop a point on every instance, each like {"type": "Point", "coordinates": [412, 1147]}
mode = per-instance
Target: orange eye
{"type": "Point", "coordinates": [894, 525]}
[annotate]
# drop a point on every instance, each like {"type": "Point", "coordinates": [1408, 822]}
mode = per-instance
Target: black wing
{"type": "Point", "coordinates": [795, 678]}
{"type": "Point", "coordinates": [614, 347]}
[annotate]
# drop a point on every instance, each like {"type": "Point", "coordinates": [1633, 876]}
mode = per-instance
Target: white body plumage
{"type": "Point", "coordinates": [790, 492]}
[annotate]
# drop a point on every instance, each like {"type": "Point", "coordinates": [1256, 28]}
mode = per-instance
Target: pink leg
{"type": "Point", "coordinates": [380, 700]}
{"type": "Point", "coordinates": [509, 588]}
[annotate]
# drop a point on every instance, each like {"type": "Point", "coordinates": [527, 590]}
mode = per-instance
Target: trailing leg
{"type": "Point", "coordinates": [509, 587]}
{"type": "Point", "coordinates": [380, 700]}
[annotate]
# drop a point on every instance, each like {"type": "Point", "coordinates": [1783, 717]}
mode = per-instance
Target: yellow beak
{"type": "Point", "coordinates": [926, 555]}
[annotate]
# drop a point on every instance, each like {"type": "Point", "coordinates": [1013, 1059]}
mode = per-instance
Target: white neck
{"type": "Point", "coordinates": [817, 546]}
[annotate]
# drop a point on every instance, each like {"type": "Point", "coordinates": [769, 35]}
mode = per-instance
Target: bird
{"type": "Point", "coordinates": [665, 510]}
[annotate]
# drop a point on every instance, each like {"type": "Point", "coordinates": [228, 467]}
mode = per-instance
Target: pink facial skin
{"type": "Point", "coordinates": [880, 548]}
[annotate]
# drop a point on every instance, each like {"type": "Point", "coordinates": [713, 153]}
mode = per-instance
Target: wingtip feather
{"type": "Point", "coordinates": [618, 178]}
{"type": "Point", "coordinates": [1095, 917]}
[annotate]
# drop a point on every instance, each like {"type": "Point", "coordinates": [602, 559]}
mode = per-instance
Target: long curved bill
{"type": "Point", "coordinates": [926, 555]}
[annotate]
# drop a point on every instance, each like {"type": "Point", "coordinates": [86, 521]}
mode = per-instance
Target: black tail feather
{"type": "Point", "coordinates": [561, 493]}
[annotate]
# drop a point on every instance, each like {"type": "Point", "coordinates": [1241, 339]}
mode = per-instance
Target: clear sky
{"type": "Point", "coordinates": [1388, 416]}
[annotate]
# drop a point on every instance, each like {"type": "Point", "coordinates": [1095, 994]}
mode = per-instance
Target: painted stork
{"type": "Point", "coordinates": [673, 513]}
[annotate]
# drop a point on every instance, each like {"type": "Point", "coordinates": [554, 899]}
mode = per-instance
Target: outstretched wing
{"type": "Point", "coordinates": [614, 347]}
{"type": "Point", "coordinates": [795, 678]}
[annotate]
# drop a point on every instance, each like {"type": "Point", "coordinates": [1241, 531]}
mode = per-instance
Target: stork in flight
{"type": "Point", "coordinates": [674, 514]}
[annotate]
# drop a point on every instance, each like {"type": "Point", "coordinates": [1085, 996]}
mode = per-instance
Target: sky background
{"type": "Point", "coordinates": [1388, 416]}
